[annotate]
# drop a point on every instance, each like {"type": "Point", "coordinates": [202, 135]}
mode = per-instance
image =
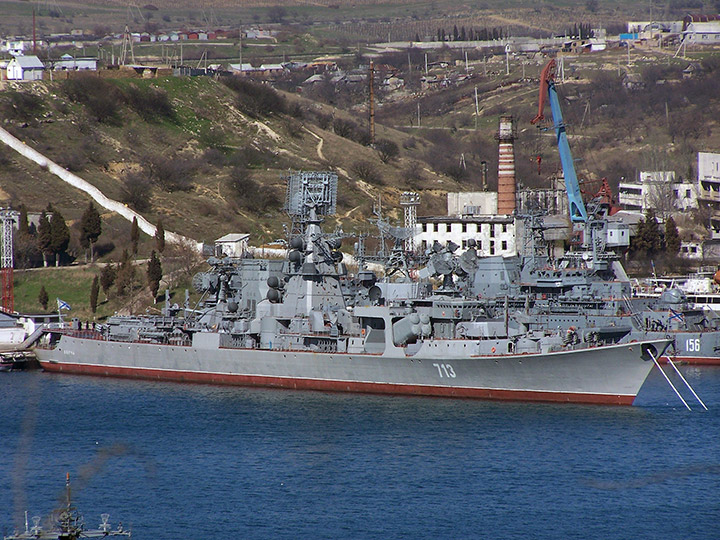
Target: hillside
{"type": "Point", "coordinates": [202, 157]}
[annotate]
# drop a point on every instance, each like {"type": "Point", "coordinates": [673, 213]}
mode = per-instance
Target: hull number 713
{"type": "Point", "coordinates": [445, 370]}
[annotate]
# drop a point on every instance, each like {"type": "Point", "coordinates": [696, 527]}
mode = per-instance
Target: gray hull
{"type": "Point", "coordinates": [610, 374]}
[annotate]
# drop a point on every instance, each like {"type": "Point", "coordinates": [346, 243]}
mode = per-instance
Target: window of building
{"type": "Point", "coordinates": [492, 231]}
{"type": "Point", "coordinates": [687, 193]}
{"type": "Point", "coordinates": [464, 228]}
{"type": "Point", "coordinates": [492, 247]}
{"type": "Point", "coordinates": [464, 244]}
{"type": "Point", "coordinates": [504, 227]}
{"type": "Point", "coordinates": [504, 245]}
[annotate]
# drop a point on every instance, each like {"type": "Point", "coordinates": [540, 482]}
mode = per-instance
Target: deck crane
{"type": "Point", "coordinates": [578, 213]}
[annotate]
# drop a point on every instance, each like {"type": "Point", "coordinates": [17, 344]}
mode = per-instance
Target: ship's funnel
{"type": "Point", "coordinates": [506, 166]}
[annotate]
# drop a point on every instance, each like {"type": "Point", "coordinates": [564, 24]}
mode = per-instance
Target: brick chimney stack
{"type": "Point", "coordinates": [506, 166]}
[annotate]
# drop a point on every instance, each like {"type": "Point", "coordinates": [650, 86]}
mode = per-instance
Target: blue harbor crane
{"type": "Point", "coordinates": [578, 213]}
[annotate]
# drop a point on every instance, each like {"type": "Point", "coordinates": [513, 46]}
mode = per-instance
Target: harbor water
{"type": "Point", "coordinates": [178, 461]}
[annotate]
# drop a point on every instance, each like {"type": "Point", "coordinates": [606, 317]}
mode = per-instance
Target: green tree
{"type": "Point", "coordinates": [23, 226]}
{"type": "Point", "coordinates": [160, 236]}
{"type": "Point", "coordinates": [44, 238]}
{"type": "Point", "coordinates": [125, 280]}
{"type": "Point", "coordinates": [107, 278]}
{"type": "Point", "coordinates": [59, 236]}
{"type": "Point", "coordinates": [25, 250]}
{"type": "Point", "coordinates": [672, 238]}
{"type": "Point", "coordinates": [647, 242]}
{"type": "Point", "coordinates": [90, 230]}
{"type": "Point", "coordinates": [154, 274]}
{"type": "Point", "coordinates": [43, 298]}
{"type": "Point", "coordinates": [134, 235]}
{"type": "Point", "coordinates": [94, 292]}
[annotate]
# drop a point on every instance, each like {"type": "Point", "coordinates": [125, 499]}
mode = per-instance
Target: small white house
{"type": "Point", "coordinates": [25, 68]}
{"type": "Point", "coordinates": [232, 245]}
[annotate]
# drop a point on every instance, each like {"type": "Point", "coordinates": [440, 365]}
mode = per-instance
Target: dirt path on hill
{"type": "Point", "coordinates": [319, 145]}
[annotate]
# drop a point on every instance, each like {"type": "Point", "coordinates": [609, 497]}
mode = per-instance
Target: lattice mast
{"type": "Point", "coordinates": [127, 46]}
{"type": "Point", "coordinates": [410, 200]}
{"type": "Point", "coordinates": [307, 190]}
{"type": "Point", "coordinates": [9, 217]}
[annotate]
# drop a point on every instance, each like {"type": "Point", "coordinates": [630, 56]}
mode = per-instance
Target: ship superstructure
{"type": "Point", "coordinates": [306, 322]}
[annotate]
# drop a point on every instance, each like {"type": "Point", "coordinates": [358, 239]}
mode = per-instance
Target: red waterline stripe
{"type": "Point", "coordinates": [694, 360]}
{"type": "Point", "coordinates": [338, 386]}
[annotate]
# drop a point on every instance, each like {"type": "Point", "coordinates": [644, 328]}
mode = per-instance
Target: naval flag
{"type": "Point", "coordinates": [62, 304]}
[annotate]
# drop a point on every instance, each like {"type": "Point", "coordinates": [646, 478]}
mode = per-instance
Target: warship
{"type": "Point", "coordinates": [586, 289]}
{"type": "Point", "coordinates": [306, 322]}
{"type": "Point", "coordinates": [67, 524]}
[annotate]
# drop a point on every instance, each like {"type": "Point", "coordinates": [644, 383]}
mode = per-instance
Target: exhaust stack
{"type": "Point", "coordinates": [506, 166]}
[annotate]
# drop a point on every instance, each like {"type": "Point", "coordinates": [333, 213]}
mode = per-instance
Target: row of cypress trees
{"type": "Point", "coordinates": [52, 235]}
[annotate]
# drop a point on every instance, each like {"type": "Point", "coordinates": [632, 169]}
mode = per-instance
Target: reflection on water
{"type": "Point", "coordinates": [192, 461]}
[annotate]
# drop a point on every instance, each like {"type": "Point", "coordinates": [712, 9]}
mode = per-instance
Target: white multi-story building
{"type": "Point", "coordinates": [660, 191]}
{"type": "Point", "coordinates": [709, 187]}
{"type": "Point", "coordinates": [471, 216]}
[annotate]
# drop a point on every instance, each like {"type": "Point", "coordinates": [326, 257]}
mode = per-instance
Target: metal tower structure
{"type": "Point", "coordinates": [410, 201]}
{"type": "Point", "coordinates": [308, 190]}
{"type": "Point", "coordinates": [9, 217]}
{"type": "Point", "coordinates": [127, 46]}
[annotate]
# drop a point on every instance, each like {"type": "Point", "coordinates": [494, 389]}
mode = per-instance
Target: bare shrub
{"type": "Point", "coordinates": [367, 172]}
{"type": "Point", "coordinates": [136, 191]}
{"type": "Point", "coordinates": [255, 99]}
{"type": "Point", "coordinates": [151, 104]}
{"type": "Point", "coordinates": [172, 174]}
{"type": "Point", "coordinates": [413, 174]}
{"type": "Point", "coordinates": [294, 128]}
{"type": "Point", "coordinates": [296, 110]}
{"type": "Point", "coordinates": [213, 138]}
{"type": "Point", "coordinates": [214, 157]}
{"type": "Point", "coordinates": [252, 157]}
{"type": "Point", "coordinates": [74, 159]}
{"type": "Point", "coordinates": [101, 98]}
{"type": "Point", "coordinates": [323, 120]}
{"type": "Point", "coordinates": [409, 143]}
{"type": "Point", "coordinates": [344, 128]}
{"type": "Point", "coordinates": [21, 106]}
{"type": "Point", "coordinates": [206, 208]}
{"type": "Point", "coordinates": [180, 261]}
{"type": "Point", "coordinates": [387, 150]}
{"type": "Point", "coordinates": [248, 193]}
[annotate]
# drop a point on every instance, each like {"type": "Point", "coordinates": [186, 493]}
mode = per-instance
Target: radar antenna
{"type": "Point", "coordinates": [308, 190]}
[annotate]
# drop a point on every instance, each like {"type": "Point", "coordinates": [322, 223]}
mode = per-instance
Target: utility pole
{"type": "Point", "coordinates": [477, 109]}
{"type": "Point", "coordinates": [371, 107]}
